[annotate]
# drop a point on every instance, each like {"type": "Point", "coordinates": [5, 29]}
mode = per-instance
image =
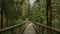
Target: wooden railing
{"type": "Point", "coordinates": [16, 29]}
{"type": "Point", "coordinates": [43, 29]}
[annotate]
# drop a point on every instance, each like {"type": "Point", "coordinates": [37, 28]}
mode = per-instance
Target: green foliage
{"type": "Point", "coordinates": [13, 11]}
{"type": "Point", "coordinates": [55, 13]}
{"type": "Point", "coordinates": [16, 13]}
{"type": "Point", "coordinates": [38, 12]}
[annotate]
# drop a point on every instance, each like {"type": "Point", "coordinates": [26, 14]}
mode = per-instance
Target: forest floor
{"type": "Point", "coordinates": [29, 29]}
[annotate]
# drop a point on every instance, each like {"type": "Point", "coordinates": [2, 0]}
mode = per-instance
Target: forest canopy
{"type": "Point", "coordinates": [16, 11]}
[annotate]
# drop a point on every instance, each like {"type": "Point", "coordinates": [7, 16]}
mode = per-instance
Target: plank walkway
{"type": "Point", "coordinates": [29, 29]}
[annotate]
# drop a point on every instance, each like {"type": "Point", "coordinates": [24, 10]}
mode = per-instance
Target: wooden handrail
{"type": "Point", "coordinates": [51, 28]}
{"type": "Point", "coordinates": [11, 27]}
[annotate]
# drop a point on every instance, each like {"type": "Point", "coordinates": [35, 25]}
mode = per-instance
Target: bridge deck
{"type": "Point", "coordinates": [29, 29]}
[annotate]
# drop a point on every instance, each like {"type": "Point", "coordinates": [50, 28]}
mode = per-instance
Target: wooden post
{"type": "Point", "coordinates": [17, 31]}
{"type": "Point", "coordinates": [42, 30]}
{"type": "Point", "coordinates": [1, 33]}
{"type": "Point", "coordinates": [39, 29]}
{"type": "Point", "coordinates": [58, 32]}
{"type": "Point", "coordinates": [48, 12]}
{"type": "Point", "coordinates": [11, 31]}
{"type": "Point", "coordinates": [20, 29]}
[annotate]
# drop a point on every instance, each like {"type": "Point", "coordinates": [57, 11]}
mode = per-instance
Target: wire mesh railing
{"type": "Point", "coordinates": [16, 29]}
{"type": "Point", "coordinates": [43, 29]}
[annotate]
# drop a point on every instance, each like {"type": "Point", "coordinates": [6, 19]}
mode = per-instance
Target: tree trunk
{"type": "Point", "coordinates": [48, 9]}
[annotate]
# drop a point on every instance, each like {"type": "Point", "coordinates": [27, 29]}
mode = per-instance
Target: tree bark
{"type": "Point", "coordinates": [48, 13]}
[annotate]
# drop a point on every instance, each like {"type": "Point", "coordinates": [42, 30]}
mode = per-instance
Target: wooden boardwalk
{"type": "Point", "coordinates": [29, 29]}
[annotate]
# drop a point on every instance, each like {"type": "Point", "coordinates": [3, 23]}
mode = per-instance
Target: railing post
{"type": "Point", "coordinates": [17, 31]}
{"type": "Point", "coordinates": [39, 29]}
{"type": "Point", "coordinates": [11, 31]}
{"type": "Point", "coordinates": [20, 29]}
{"type": "Point", "coordinates": [49, 31]}
{"type": "Point", "coordinates": [42, 30]}
{"type": "Point", "coordinates": [58, 33]}
{"type": "Point", "coordinates": [1, 33]}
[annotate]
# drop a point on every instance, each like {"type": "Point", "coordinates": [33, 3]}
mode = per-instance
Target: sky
{"type": "Point", "coordinates": [32, 2]}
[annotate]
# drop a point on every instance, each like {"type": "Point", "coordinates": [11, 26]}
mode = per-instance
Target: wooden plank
{"type": "Point", "coordinates": [29, 30]}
